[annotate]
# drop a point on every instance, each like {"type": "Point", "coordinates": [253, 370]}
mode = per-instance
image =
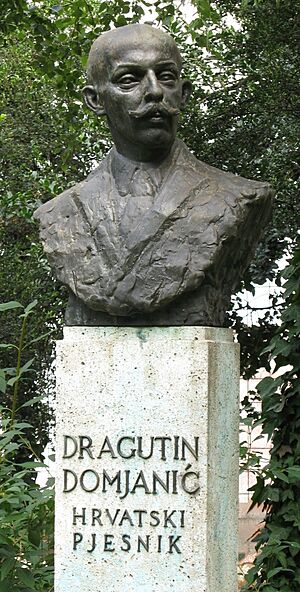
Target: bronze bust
{"type": "Point", "coordinates": [153, 236]}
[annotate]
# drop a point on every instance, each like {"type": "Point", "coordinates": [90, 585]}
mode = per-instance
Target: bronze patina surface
{"type": "Point", "coordinates": [153, 236]}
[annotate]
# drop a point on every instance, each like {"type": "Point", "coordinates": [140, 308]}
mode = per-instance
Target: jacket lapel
{"type": "Point", "coordinates": [98, 202]}
{"type": "Point", "coordinates": [177, 188]}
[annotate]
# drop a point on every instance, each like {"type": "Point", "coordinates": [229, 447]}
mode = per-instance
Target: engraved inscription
{"type": "Point", "coordinates": [123, 529]}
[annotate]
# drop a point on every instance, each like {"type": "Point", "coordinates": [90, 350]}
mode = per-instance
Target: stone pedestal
{"type": "Point", "coordinates": [147, 460]}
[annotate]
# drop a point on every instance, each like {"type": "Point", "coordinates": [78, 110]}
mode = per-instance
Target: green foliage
{"type": "Point", "coordinates": [26, 510]}
{"type": "Point", "coordinates": [277, 567]}
{"type": "Point", "coordinates": [48, 142]}
{"type": "Point", "coordinates": [27, 172]}
{"type": "Point", "coordinates": [250, 124]}
{"type": "Point", "coordinates": [244, 117]}
{"type": "Point", "coordinates": [30, 279]}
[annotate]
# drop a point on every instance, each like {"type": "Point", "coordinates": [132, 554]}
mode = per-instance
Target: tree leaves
{"type": "Point", "coordinates": [10, 305]}
{"type": "Point", "coordinates": [26, 577]}
{"type": "Point", "coordinates": [278, 485]}
{"type": "Point", "coordinates": [244, 118]}
{"type": "Point", "coordinates": [26, 516]}
{"type": "Point", "coordinates": [6, 567]}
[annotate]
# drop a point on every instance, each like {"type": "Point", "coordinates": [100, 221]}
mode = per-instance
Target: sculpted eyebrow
{"type": "Point", "coordinates": [133, 67]}
{"type": "Point", "coordinates": [122, 69]}
{"type": "Point", "coordinates": [171, 65]}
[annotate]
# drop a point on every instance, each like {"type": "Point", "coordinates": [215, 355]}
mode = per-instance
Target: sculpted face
{"type": "Point", "coordinates": [136, 83]}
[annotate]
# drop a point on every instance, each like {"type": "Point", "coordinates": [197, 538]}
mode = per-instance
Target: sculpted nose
{"type": "Point", "coordinates": [153, 91]}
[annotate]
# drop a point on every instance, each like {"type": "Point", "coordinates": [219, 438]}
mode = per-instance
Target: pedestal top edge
{"type": "Point", "coordinates": [214, 334]}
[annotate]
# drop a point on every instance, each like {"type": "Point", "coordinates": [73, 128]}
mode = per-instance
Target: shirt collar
{"type": "Point", "coordinates": [124, 169]}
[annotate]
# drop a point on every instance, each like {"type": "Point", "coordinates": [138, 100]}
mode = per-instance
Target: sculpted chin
{"type": "Point", "coordinates": [153, 236]}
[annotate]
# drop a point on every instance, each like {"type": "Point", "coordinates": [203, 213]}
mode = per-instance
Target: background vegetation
{"type": "Point", "coordinates": [243, 56]}
{"type": "Point", "coordinates": [277, 566]}
{"type": "Point", "coordinates": [26, 509]}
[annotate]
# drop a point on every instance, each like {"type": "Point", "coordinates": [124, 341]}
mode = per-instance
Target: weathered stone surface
{"type": "Point", "coordinates": [116, 389]}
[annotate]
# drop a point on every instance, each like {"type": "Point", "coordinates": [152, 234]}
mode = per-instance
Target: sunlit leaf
{"type": "Point", "coordinates": [10, 305]}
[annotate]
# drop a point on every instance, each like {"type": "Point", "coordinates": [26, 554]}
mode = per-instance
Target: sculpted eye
{"type": "Point", "coordinates": [167, 76]}
{"type": "Point", "coordinates": [128, 80]}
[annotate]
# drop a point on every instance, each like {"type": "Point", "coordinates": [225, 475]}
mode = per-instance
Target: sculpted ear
{"type": "Point", "coordinates": [187, 88]}
{"type": "Point", "coordinates": [93, 100]}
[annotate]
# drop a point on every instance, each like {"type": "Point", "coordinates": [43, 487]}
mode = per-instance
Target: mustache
{"type": "Point", "coordinates": [163, 108]}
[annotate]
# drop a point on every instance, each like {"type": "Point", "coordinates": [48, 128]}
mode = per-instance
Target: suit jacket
{"type": "Point", "coordinates": [170, 256]}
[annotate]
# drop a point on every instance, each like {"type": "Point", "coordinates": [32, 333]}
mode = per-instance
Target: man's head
{"type": "Point", "coordinates": [134, 79]}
